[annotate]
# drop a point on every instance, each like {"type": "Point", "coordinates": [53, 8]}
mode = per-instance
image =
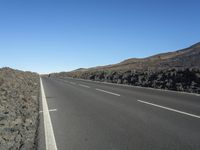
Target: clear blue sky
{"type": "Point", "coordinates": [53, 35]}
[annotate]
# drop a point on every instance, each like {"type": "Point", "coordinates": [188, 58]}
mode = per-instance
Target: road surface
{"type": "Point", "coordinates": [85, 115]}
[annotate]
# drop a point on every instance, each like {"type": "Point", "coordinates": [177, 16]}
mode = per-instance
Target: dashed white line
{"type": "Point", "coordinates": [170, 109]}
{"type": "Point", "coordinates": [50, 110]}
{"type": "Point", "coordinates": [73, 83]}
{"type": "Point", "coordinates": [108, 92]}
{"type": "Point", "coordinates": [84, 85]}
{"type": "Point", "coordinates": [49, 134]}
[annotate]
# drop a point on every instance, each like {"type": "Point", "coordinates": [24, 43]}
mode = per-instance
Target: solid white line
{"type": "Point", "coordinates": [108, 92]}
{"type": "Point", "coordinates": [84, 85]}
{"type": "Point", "coordinates": [170, 109]}
{"type": "Point", "coordinates": [49, 134]}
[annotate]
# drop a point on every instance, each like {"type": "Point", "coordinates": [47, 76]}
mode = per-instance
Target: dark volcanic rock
{"type": "Point", "coordinates": [178, 79]}
{"type": "Point", "coordinates": [19, 92]}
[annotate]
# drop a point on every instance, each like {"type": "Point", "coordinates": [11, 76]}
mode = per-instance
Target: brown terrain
{"type": "Point", "coordinates": [188, 57]}
{"type": "Point", "coordinates": [19, 109]}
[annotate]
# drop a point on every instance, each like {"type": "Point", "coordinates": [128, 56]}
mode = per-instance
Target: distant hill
{"type": "Point", "coordinates": [188, 57]}
{"type": "Point", "coordinates": [80, 69]}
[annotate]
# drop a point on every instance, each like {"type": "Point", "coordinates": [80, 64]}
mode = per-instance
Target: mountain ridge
{"type": "Point", "coordinates": [187, 57]}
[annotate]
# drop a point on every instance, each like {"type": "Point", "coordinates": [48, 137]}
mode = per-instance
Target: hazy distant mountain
{"type": "Point", "coordinates": [188, 57]}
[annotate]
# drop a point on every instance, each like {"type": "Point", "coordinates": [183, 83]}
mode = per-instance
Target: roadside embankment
{"type": "Point", "coordinates": [19, 109]}
{"type": "Point", "coordinates": [177, 79]}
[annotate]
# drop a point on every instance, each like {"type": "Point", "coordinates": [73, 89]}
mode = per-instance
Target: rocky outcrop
{"type": "Point", "coordinates": [178, 79]}
{"type": "Point", "coordinates": [19, 93]}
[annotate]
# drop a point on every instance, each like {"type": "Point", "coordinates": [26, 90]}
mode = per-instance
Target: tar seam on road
{"type": "Point", "coordinates": [170, 109]}
{"type": "Point", "coordinates": [108, 92]}
{"type": "Point", "coordinates": [49, 134]}
{"type": "Point", "coordinates": [84, 85]}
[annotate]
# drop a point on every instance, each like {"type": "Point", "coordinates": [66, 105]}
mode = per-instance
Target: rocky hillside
{"type": "Point", "coordinates": [179, 70]}
{"type": "Point", "coordinates": [19, 93]}
{"type": "Point", "coordinates": [186, 58]}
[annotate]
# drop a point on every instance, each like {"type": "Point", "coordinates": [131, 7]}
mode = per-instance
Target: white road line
{"type": "Point", "coordinates": [108, 92]}
{"type": "Point", "coordinates": [50, 110]}
{"type": "Point", "coordinates": [49, 134]}
{"type": "Point", "coordinates": [73, 83]}
{"type": "Point", "coordinates": [84, 85]}
{"type": "Point", "coordinates": [170, 109]}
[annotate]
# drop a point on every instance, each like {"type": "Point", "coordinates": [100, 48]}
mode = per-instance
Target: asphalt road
{"type": "Point", "coordinates": [95, 116]}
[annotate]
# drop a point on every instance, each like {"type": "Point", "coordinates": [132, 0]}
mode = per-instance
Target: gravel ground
{"type": "Point", "coordinates": [19, 109]}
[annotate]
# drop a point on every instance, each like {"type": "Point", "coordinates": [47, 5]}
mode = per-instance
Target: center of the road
{"type": "Point", "coordinates": [84, 85]}
{"type": "Point", "coordinates": [108, 92]}
{"type": "Point", "coordinates": [73, 83]}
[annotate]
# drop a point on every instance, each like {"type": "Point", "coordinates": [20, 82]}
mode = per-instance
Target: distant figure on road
{"type": "Point", "coordinates": [49, 75]}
